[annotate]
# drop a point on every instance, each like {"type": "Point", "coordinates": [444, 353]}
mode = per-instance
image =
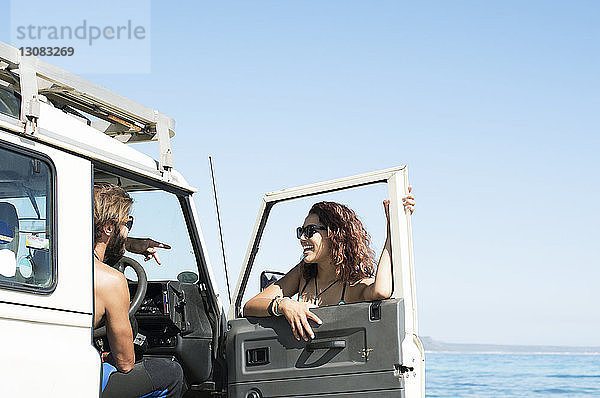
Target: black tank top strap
{"type": "Point", "coordinates": [343, 294]}
{"type": "Point", "coordinates": [303, 289]}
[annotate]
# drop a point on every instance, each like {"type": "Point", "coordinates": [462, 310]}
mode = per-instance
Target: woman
{"type": "Point", "coordinates": [338, 267]}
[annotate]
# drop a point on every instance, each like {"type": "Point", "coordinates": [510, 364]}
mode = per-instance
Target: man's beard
{"type": "Point", "coordinates": [115, 248]}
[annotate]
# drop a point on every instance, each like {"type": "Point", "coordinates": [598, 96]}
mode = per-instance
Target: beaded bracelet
{"type": "Point", "coordinates": [276, 307]}
{"type": "Point", "coordinates": [270, 307]}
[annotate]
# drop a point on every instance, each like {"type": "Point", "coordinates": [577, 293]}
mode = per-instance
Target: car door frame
{"type": "Point", "coordinates": [37, 325]}
{"type": "Point", "coordinates": [396, 179]}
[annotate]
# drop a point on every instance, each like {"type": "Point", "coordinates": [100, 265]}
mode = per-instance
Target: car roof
{"type": "Point", "coordinates": [67, 111]}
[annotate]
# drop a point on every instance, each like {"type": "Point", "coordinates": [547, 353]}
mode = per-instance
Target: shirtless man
{"type": "Point", "coordinates": [122, 377]}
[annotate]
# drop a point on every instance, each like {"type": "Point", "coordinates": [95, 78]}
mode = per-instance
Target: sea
{"type": "Point", "coordinates": [512, 375]}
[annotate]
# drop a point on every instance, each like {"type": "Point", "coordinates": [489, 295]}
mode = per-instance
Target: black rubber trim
{"type": "Point", "coordinates": [137, 177]}
{"type": "Point", "coordinates": [45, 308]}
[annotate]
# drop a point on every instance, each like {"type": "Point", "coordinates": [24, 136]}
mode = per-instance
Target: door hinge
{"type": "Point", "coordinates": [400, 369]}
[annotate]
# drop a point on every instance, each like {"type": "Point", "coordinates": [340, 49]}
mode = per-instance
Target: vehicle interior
{"type": "Point", "coordinates": [171, 313]}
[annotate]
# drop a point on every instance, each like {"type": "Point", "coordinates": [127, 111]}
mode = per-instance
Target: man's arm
{"type": "Point", "coordinates": [146, 247]}
{"type": "Point", "coordinates": [118, 327]}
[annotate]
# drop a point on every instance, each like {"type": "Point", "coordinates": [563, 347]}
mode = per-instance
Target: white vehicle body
{"type": "Point", "coordinates": [46, 329]}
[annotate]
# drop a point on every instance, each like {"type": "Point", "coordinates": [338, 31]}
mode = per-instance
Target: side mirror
{"type": "Point", "coordinates": [187, 277]}
{"type": "Point", "coordinates": [269, 277]}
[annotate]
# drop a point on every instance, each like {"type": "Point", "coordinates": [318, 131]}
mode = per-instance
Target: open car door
{"type": "Point", "coordinates": [361, 349]}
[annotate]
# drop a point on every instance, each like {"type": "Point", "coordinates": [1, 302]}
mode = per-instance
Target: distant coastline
{"type": "Point", "coordinates": [434, 346]}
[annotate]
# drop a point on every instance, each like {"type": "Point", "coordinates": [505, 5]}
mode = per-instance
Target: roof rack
{"type": "Point", "coordinates": [120, 118]}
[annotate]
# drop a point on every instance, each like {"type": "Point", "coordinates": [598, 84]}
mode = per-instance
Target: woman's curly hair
{"type": "Point", "coordinates": [350, 249]}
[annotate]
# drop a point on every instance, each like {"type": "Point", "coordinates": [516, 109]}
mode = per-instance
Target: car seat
{"type": "Point", "coordinates": [8, 215]}
{"type": "Point", "coordinates": [42, 267]}
{"type": "Point", "coordinates": [9, 231]}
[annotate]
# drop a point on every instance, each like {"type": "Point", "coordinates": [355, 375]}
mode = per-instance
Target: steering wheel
{"type": "Point", "coordinates": [138, 296]}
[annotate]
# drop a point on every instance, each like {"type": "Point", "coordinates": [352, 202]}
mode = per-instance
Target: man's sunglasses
{"type": "Point", "coordinates": [308, 230]}
{"type": "Point", "coordinates": [129, 223]}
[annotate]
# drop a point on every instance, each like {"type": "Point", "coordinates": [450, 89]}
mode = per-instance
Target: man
{"type": "Point", "coordinates": [122, 377]}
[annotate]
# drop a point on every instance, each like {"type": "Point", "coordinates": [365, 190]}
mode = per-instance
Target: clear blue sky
{"type": "Point", "coordinates": [493, 105]}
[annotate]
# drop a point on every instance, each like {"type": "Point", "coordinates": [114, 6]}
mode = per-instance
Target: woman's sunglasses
{"type": "Point", "coordinates": [308, 230]}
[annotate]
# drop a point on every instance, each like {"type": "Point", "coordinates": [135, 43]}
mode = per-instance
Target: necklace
{"type": "Point", "coordinates": [317, 294]}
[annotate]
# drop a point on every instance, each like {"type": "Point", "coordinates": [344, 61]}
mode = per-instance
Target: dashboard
{"type": "Point", "coordinates": [163, 315]}
{"type": "Point", "coordinates": [173, 322]}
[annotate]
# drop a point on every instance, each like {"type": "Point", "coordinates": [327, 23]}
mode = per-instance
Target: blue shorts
{"type": "Point", "coordinates": [152, 377]}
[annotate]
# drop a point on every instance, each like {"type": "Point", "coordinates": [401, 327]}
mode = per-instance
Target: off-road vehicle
{"type": "Point", "coordinates": [60, 134]}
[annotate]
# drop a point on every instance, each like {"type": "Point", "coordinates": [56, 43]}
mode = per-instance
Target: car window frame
{"type": "Point", "coordinates": [23, 287]}
{"type": "Point", "coordinates": [396, 181]}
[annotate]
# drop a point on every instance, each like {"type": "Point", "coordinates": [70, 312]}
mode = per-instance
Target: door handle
{"type": "Point", "coordinates": [257, 356]}
{"type": "Point", "coordinates": [331, 344]}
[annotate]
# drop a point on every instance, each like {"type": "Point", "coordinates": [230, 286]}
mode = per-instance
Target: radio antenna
{"type": "Point", "coordinates": [212, 173]}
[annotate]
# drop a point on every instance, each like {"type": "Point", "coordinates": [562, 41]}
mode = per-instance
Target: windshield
{"type": "Point", "coordinates": [158, 215]}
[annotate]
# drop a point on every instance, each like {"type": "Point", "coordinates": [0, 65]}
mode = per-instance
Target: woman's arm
{"type": "Point", "coordinates": [381, 288]}
{"type": "Point", "coordinates": [287, 286]}
{"type": "Point", "coordinates": [297, 314]}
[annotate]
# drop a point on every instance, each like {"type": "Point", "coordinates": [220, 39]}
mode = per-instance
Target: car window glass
{"type": "Point", "coordinates": [280, 249]}
{"type": "Point", "coordinates": [25, 221]}
{"type": "Point", "coordinates": [158, 215]}
{"type": "Point", "coordinates": [9, 103]}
